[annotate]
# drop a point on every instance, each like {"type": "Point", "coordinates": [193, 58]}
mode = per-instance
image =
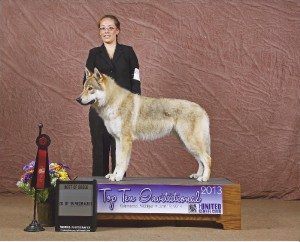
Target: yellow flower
{"type": "Point", "coordinates": [63, 175]}
{"type": "Point", "coordinates": [57, 171]}
{"type": "Point", "coordinates": [55, 167]}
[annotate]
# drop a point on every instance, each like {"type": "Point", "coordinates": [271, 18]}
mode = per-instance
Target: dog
{"type": "Point", "coordinates": [130, 117]}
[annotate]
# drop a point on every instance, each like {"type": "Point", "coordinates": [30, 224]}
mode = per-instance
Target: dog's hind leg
{"type": "Point", "coordinates": [206, 161]}
{"type": "Point", "coordinates": [197, 149]}
{"type": "Point", "coordinates": [201, 152]}
{"type": "Point", "coordinates": [123, 153]}
{"type": "Point", "coordinates": [199, 171]}
{"type": "Point", "coordinates": [197, 142]}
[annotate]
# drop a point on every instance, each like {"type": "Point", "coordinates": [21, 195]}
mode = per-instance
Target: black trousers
{"type": "Point", "coordinates": [103, 145]}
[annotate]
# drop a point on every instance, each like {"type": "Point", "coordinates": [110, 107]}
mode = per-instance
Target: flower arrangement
{"type": "Point", "coordinates": [56, 170]}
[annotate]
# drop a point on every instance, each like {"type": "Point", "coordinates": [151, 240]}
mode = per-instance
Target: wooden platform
{"type": "Point", "coordinates": [230, 219]}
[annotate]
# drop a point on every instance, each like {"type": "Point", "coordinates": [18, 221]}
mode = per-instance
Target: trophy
{"type": "Point", "coordinates": [41, 176]}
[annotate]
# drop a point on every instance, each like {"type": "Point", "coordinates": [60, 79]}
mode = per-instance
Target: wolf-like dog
{"type": "Point", "coordinates": [130, 117]}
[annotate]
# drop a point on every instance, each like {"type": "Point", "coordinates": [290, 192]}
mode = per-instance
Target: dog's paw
{"type": "Point", "coordinates": [119, 178]}
{"type": "Point", "coordinates": [108, 175]}
{"type": "Point", "coordinates": [194, 175]}
{"type": "Point", "coordinates": [202, 179]}
{"type": "Point", "coordinates": [111, 177]}
{"type": "Point", "coordinates": [119, 175]}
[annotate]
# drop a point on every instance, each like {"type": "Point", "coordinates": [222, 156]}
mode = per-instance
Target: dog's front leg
{"type": "Point", "coordinates": [123, 152]}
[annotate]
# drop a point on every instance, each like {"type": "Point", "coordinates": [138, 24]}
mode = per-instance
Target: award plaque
{"type": "Point", "coordinates": [76, 205]}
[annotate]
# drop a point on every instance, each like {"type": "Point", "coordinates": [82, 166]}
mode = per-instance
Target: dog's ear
{"type": "Point", "coordinates": [87, 73]}
{"type": "Point", "coordinates": [98, 75]}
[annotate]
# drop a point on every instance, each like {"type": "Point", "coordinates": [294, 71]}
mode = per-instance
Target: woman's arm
{"type": "Point", "coordinates": [135, 72]}
{"type": "Point", "coordinates": [90, 63]}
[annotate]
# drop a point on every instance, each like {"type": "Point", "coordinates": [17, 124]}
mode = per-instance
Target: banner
{"type": "Point", "coordinates": [41, 176]}
{"type": "Point", "coordinates": [165, 199]}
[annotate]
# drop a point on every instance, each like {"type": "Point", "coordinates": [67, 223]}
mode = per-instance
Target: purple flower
{"type": "Point", "coordinates": [63, 166]}
{"type": "Point", "coordinates": [26, 177]}
{"type": "Point", "coordinates": [29, 166]}
{"type": "Point", "coordinates": [51, 171]}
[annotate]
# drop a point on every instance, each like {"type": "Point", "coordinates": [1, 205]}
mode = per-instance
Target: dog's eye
{"type": "Point", "coordinates": [90, 89]}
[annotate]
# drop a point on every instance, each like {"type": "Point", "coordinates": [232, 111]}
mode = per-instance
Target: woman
{"type": "Point", "coordinates": [119, 62]}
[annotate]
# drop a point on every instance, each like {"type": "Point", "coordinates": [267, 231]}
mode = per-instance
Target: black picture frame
{"type": "Point", "coordinates": [76, 222]}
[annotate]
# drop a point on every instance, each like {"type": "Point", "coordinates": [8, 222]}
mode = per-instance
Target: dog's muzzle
{"type": "Point", "coordinates": [80, 101]}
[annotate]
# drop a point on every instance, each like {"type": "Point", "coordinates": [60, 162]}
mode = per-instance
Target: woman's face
{"type": "Point", "coordinates": [108, 31]}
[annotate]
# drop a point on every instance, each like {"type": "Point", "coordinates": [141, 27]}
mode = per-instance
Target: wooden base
{"type": "Point", "coordinates": [230, 219]}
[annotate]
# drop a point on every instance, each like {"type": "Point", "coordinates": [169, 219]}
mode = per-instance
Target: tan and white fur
{"type": "Point", "coordinates": [130, 117]}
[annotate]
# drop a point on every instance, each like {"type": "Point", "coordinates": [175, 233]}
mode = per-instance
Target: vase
{"type": "Point", "coordinates": [45, 214]}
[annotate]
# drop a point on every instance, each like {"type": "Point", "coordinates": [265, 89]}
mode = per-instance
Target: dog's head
{"type": "Point", "coordinates": [93, 89]}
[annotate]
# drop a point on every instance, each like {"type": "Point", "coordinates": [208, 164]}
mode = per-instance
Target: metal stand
{"type": "Point", "coordinates": [34, 226]}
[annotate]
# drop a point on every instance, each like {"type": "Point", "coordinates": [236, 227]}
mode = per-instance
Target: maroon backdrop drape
{"type": "Point", "coordinates": [240, 60]}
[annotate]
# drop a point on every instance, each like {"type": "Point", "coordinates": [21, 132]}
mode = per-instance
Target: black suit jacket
{"type": "Point", "coordinates": [121, 68]}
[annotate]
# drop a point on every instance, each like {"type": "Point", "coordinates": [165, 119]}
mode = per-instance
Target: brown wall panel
{"type": "Point", "coordinates": [240, 60]}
